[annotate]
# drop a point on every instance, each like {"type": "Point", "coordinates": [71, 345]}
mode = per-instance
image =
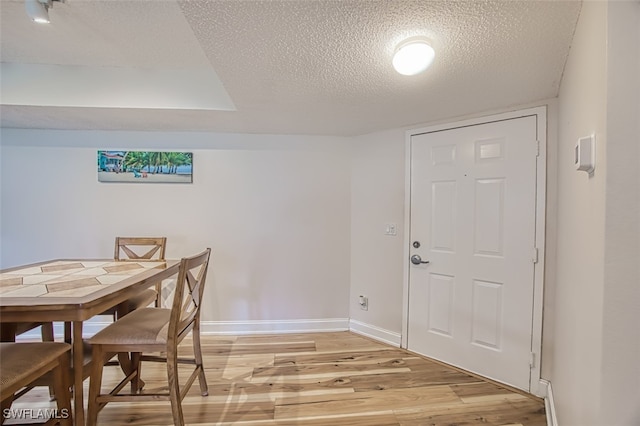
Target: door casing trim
{"type": "Point", "coordinates": [540, 226]}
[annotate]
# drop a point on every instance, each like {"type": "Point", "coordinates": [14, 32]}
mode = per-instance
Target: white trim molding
{"type": "Point", "coordinates": [273, 326]}
{"type": "Point", "coordinates": [549, 404]}
{"type": "Point", "coordinates": [376, 333]}
{"type": "Point", "coordinates": [96, 324]}
{"type": "Point", "coordinates": [89, 328]}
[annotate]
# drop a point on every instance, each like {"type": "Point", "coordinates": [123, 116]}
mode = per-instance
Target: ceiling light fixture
{"type": "Point", "coordinates": [413, 56]}
{"type": "Point", "coordinates": [38, 10]}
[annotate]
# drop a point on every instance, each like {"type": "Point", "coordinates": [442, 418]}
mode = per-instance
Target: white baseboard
{"type": "Point", "coordinates": [549, 405]}
{"type": "Point", "coordinates": [96, 324]}
{"type": "Point", "coordinates": [89, 328]}
{"type": "Point", "coordinates": [274, 326]}
{"type": "Point", "coordinates": [377, 333]}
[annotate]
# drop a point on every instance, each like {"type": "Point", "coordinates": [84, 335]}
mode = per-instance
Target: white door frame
{"type": "Point", "coordinates": [536, 387]}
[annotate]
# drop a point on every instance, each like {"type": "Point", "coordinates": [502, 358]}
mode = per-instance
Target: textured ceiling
{"type": "Point", "coordinates": [294, 67]}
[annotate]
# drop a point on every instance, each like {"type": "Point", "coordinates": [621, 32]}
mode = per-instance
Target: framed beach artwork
{"type": "Point", "coordinates": [145, 166]}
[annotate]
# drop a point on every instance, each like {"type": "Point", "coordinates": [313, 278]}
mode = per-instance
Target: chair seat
{"type": "Point", "coordinates": [146, 326]}
{"type": "Point", "coordinates": [21, 360]}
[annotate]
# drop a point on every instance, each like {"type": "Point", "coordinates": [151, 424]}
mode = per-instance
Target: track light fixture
{"type": "Point", "coordinates": [38, 10]}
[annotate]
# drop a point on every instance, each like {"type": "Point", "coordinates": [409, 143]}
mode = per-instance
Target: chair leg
{"type": "Point", "coordinates": [197, 351]}
{"type": "Point", "coordinates": [46, 330]}
{"type": "Point", "coordinates": [61, 379]}
{"type": "Point", "coordinates": [136, 382]}
{"type": "Point", "coordinates": [174, 388]}
{"type": "Point", "coordinates": [5, 406]}
{"type": "Point", "coordinates": [158, 301]}
{"type": "Point", "coordinates": [121, 310]}
{"type": "Point", "coordinates": [95, 385]}
{"type": "Point", "coordinates": [67, 332]}
{"type": "Point", "coordinates": [8, 331]}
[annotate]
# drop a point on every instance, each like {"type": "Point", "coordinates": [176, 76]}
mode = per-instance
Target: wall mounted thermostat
{"type": "Point", "coordinates": [585, 155]}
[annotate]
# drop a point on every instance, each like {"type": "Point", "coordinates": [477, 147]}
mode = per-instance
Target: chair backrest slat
{"type": "Point", "coordinates": [185, 311]}
{"type": "Point", "coordinates": [140, 248]}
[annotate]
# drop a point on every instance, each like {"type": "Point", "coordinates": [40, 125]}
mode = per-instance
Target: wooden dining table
{"type": "Point", "coordinates": [73, 291]}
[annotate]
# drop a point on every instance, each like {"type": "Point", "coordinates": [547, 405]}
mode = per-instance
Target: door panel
{"type": "Point", "coordinates": [473, 193]}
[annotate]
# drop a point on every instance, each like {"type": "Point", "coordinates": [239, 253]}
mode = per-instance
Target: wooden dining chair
{"type": "Point", "coordinates": [23, 364]}
{"type": "Point", "coordinates": [136, 249]}
{"type": "Point", "coordinates": [155, 330]}
{"type": "Point", "coordinates": [9, 331]}
{"type": "Point", "coordinates": [139, 249]}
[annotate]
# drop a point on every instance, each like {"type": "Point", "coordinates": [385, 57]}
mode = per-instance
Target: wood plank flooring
{"type": "Point", "coordinates": [324, 379]}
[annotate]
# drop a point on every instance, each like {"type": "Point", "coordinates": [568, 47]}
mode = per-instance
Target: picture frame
{"type": "Point", "coordinates": [145, 166]}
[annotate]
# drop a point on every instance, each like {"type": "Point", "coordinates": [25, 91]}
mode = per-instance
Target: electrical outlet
{"type": "Point", "coordinates": [363, 301]}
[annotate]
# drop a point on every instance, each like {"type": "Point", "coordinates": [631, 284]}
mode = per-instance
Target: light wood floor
{"type": "Point", "coordinates": [324, 379]}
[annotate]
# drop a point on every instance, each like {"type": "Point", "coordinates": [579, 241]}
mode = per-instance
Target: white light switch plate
{"type": "Point", "coordinates": [391, 229]}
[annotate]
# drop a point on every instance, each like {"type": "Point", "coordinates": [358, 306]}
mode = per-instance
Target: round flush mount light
{"type": "Point", "coordinates": [413, 56]}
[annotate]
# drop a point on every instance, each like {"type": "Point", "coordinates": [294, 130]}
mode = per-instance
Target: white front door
{"type": "Point", "coordinates": [473, 217]}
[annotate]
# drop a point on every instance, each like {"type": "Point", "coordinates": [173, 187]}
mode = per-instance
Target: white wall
{"type": "Point", "coordinates": [274, 209]}
{"type": "Point", "coordinates": [581, 201]}
{"type": "Point", "coordinates": [595, 373]}
{"type": "Point", "coordinates": [377, 191]}
{"type": "Point", "coordinates": [620, 393]}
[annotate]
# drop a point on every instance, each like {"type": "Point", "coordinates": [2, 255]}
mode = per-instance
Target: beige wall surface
{"type": "Point", "coordinates": [595, 374]}
{"type": "Point", "coordinates": [620, 393]}
{"type": "Point", "coordinates": [275, 211]}
{"type": "Point", "coordinates": [377, 191]}
{"type": "Point", "coordinates": [581, 202]}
